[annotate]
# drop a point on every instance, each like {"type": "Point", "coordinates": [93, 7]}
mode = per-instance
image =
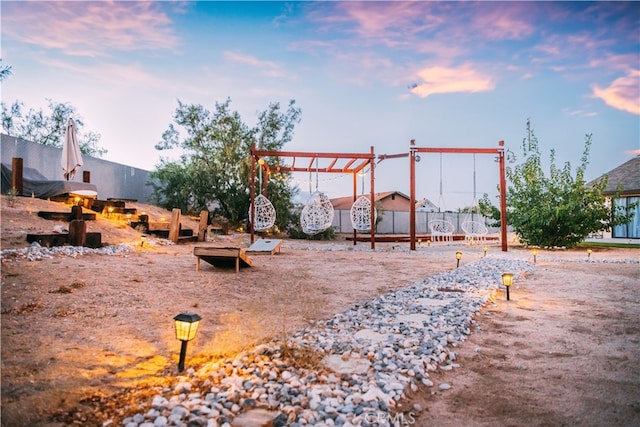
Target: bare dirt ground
{"type": "Point", "coordinates": [88, 339]}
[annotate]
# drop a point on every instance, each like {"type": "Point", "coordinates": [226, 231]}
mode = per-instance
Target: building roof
{"type": "Point", "coordinates": [427, 205]}
{"type": "Point", "coordinates": [627, 174]}
{"type": "Point", "coordinates": [347, 202]}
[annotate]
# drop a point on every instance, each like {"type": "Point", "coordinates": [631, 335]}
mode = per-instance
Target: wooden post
{"type": "Point", "coordinates": [503, 199]}
{"type": "Point", "coordinates": [373, 198]}
{"type": "Point", "coordinates": [16, 175]}
{"type": "Point", "coordinates": [355, 194]}
{"type": "Point", "coordinates": [253, 193]}
{"type": "Point", "coordinates": [86, 176]}
{"type": "Point", "coordinates": [412, 196]}
{"type": "Point", "coordinates": [76, 212]}
{"type": "Point", "coordinates": [174, 227]}
{"type": "Point", "coordinates": [77, 232]}
{"type": "Point", "coordinates": [202, 227]}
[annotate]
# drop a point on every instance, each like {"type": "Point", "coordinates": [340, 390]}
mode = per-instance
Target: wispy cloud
{"type": "Point", "coordinates": [268, 68]}
{"type": "Point", "coordinates": [623, 93]}
{"type": "Point", "coordinates": [89, 28]}
{"type": "Point", "coordinates": [451, 80]}
{"type": "Point", "coordinates": [582, 113]}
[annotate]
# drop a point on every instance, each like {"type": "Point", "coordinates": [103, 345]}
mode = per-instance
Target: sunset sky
{"type": "Point", "coordinates": [447, 74]}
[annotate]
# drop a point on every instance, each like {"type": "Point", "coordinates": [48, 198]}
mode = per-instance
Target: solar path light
{"type": "Point", "coordinates": [186, 328]}
{"type": "Point", "coordinates": [458, 258]}
{"type": "Point", "coordinates": [507, 281]}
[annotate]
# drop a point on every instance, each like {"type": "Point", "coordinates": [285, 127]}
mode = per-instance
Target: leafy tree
{"type": "Point", "coordinates": [489, 211]}
{"type": "Point", "coordinates": [214, 170]}
{"type": "Point", "coordinates": [48, 129]}
{"type": "Point", "coordinates": [557, 210]}
{"type": "Point", "coordinates": [5, 71]}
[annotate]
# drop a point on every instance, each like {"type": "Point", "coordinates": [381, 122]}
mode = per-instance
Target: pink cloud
{"type": "Point", "coordinates": [451, 80]}
{"type": "Point", "coordinates": [622, 94]}
{"type": "Point", "coordinates": [497, 22]}
{"type": "Point", "coordinates": [89, 28]}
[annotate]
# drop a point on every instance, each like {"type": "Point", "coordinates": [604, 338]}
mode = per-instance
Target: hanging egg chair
{"type": "Point", "coordinates": [361, 214]}
{"type": "Point", "coordinates": [317, 214]}
{"type": "Point", "coordinates": [264, 214]}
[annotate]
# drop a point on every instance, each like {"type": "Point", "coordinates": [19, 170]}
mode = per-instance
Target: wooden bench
{"type": "Point", "coordinates": [222, 256]}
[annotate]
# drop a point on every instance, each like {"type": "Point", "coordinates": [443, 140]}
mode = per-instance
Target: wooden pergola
{"type": "Point", "coordinates": [297, 161]}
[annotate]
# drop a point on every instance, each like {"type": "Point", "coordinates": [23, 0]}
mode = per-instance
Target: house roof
{"type": "Point", "coordinates": [627, 174]}
{"type": "Point", "coordinates": [347, 202]}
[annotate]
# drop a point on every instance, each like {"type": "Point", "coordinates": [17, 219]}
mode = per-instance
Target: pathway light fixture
{"type": "Point", "coordinates": [186, 328]}
{"type": "Point", "coordinates": [507, 281]}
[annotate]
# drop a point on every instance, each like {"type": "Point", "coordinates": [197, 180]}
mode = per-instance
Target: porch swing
{"type": "Point", "coordinates": [441, 229]}
{"type": "Point", "coordinates": [264, 214]}
{"type": "Point", "coordinates": [473, 225]}
{"type": "Point", "coordinates": [317, 214]}
{"type": "Point", "coordinates": [361, 211]}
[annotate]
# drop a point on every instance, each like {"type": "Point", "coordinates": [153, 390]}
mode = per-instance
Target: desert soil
{"type": "Point", "coordinates": [89, 339]}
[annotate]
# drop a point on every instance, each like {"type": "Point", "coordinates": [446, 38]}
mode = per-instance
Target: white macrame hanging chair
{"type": "Point", "coordinates": [361, 212]}
{"type": "Point", "coordinates": [441, 229]}
{"type": "Point", "coordinates": [473, 224]}
{"type": "Point", "coordinates": [264, 214]}
{"type": "Point", "coordinates": [317, 214]}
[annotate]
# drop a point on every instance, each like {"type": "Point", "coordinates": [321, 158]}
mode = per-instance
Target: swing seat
{"type": "Point", "coordinates": [264, 214]}
{"type": "Point", "coordinates": [441, 230]}
{"type": "Point", "coordinates": [474, 230]}
{"type": "Point", "coordinates": [361, 214]}
{"type": "Point", "coordinates": [317, 214]}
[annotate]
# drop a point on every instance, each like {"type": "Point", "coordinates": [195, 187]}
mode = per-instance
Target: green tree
{"type": "Point", "coordinates": [5, 71]}
{"type": "Point", "coordinates": [557, 210]}
{"type": "Point", "coordinates": [48, 128]}
{"type": "Point", "coordinates": [214, 170]}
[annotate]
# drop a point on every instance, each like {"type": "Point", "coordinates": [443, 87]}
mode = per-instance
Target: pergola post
{"type": "Point", "coordinates": [503, 199]}
{"type": "Point", "coordinates": [373, 200]}
{"type": "Point", "coordinates": [252, 213]}
{"type": "Point", "coordinates": [412, 195]}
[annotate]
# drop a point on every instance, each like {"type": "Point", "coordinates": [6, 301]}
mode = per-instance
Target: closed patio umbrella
{"type": "Point", "coordinates": [71, 158]}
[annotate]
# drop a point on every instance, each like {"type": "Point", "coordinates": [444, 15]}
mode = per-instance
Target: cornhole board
{"type": "Point", "coordinates": [265, 247]}
{"type": "Point", "coordinates": [222, 257]}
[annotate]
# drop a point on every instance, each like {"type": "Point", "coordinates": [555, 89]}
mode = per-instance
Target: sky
{"type": "Point", "coordinates": [364, 74]}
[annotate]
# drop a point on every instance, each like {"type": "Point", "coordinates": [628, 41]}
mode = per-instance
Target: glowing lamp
{"type": "Point", "coordinates": [589, 253]}
{"type": "Point", "coordinates": [110, 210]}
{"type": "Point", "coordinates": [485, 249]}
{"type": "Point", "coordinates": [143, 239]}
{"type": "Point", "coordinates": [76, 200]}
{"type": "Point", "coordinates": [428, 242]}
{"type": "Point", "coordinates": [261, 162]}
{"type": "Point", "coordinates": [458, 258]}
{"type": "Point", "coordinates": [534, 252]}
{"type": "Point", "coordinates": [507, 281]}
{"type": "Point", "coordinates": [186, 328]}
